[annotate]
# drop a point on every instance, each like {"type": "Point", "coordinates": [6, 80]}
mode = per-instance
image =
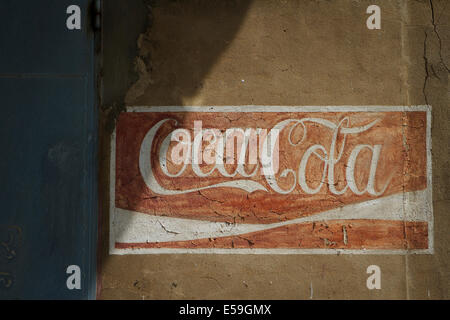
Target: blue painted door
{"type": "Point", "coordinates": [48, 144]}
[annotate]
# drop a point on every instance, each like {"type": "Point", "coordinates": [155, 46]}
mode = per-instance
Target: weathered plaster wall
{"type": "Point", "coordinates": [264, 52]}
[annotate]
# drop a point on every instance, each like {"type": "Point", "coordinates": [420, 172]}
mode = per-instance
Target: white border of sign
{"type": "Point", "coordinates": [251, 108]}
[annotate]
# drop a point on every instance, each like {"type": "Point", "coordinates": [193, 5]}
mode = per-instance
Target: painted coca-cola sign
{"type": "Point", "coordinates": [270, 179]}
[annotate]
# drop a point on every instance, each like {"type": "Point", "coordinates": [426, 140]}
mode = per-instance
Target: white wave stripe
{"type": "Point", "coordinates": [136, 227]}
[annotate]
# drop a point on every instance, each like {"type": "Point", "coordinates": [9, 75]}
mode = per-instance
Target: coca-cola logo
{"type": "Point", "coordinates": [258, 147]}
{"type": "Point", "coordinates": [233, 179]}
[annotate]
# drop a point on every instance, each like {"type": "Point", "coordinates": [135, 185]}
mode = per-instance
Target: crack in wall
{"type": "Point", "coordinates": [427, 75]}
{"type": "Point", "coordinates": [167, 230]}
{"type": "Point", "coordinates": [438, 36]}
{"type": "Point", "coordinates": [428, 65]}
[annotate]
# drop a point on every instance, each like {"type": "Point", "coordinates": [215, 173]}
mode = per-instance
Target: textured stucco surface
{"type": "Point", "coordinates": [277, 53]}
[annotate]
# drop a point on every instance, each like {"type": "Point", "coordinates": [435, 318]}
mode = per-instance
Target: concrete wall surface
{"type": "Point", "coordinates": [277, 53]}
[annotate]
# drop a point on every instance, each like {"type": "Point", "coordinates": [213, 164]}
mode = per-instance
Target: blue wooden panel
{"type": "Point", "coordinates": [38, 40]}
{"type": "Point", "coordinates": [47, 159]}
{"type": "Point", "coordinates": [48, 140]}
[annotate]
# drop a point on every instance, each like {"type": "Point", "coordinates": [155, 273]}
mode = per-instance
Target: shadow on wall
{"type": "Point", "coordinates": [185, 40]}
{"type": "Point", "coordinates": [177, 43]}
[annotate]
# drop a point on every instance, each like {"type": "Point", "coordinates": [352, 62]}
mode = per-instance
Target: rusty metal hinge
{"type": "Point", "coordinates": [97, 15]}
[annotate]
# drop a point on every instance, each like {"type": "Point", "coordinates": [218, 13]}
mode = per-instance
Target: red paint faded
{"type": "Point", "coordinates": [336, 234]}
{"type": "Point", "coordinates": [387, 157]}
{"type": "Point", "coordinates": [404, 159]}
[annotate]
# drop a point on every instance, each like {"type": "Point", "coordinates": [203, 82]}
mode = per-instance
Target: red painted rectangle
{"type": "Point", "coordinates": [220, 168]}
